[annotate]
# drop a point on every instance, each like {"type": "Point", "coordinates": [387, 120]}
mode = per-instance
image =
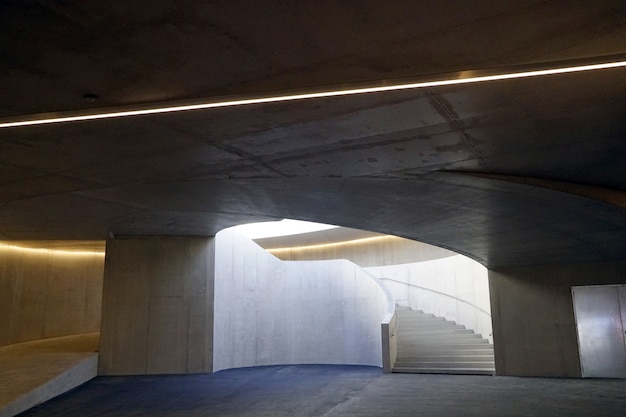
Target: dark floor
{"type": "Point", "coordinates": [312, 390]}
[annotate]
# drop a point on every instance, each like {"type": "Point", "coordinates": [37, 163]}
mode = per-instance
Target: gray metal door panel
{"type": "Point", "coordinates": [600, 324]}
{"type": "Point", "coordinates": [621, 294]}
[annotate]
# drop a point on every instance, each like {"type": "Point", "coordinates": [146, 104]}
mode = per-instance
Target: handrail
{"type": "Point", "coordinates": [438, 292]}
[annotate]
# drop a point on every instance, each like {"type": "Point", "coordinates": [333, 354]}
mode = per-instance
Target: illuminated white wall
{"type": "Point", "coordinates": [456, 288]}
{"type": "Point", "coordinates": [272, 312]}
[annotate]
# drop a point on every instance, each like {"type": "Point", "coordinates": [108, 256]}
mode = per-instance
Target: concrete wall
{"type": "Point", "coordinates": [272, 312]}
{"type": "Point", "coordinates": [533, 316]}
{"type": "Point", "coordinates": [456, 288]}
{"type": "Point", "coordinates": [47, 294]}
{"type": "Point", "coordinates": [157, 306]}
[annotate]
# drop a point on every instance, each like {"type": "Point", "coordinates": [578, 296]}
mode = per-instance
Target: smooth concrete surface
{"type": "Point", "coordinates": [34, 372]}
{"type": "Point", "coordinates": [337, 391]}
{"type": "Point", "coordinates": [392, 162]}
{"type": "Point", "coordinates": [456, 288]}
{"type": "Point", "coordinates": [533, 316]}
{"type": "Point", "coordinates": [271, 312]}
{"type": "Point", "coordinates": [157, 315]}
{"type": "Point", "coordinates": [389, 339]}
{"type": "Point", "coordinates": [47, 293]}
{"type": "Point", "coordinates": [364, 248]}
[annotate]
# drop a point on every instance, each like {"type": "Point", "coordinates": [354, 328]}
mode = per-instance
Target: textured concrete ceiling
{"type": "Point", "coordinates": [547, 148]}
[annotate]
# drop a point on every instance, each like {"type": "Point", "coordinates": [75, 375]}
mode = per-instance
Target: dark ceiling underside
{"type": "Point", "coordinates": [387, 162]}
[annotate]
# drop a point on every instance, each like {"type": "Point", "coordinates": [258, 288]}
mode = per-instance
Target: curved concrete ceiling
{"type": "Point", "coordinates": [394, 162]}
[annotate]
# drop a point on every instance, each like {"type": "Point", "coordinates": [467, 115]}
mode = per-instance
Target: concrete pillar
{"type": "Point", "coordinates": [157, 313]}
{"type": "Point", "coordinates": [534, 329]}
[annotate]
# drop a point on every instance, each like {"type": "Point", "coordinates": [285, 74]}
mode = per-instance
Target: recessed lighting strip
{"type": "Point", "coordinates": [461, 79]}
{"type": "Point", "coordinates": [334, 244]}
{"type": "Point", "coordinates": [45, 251]}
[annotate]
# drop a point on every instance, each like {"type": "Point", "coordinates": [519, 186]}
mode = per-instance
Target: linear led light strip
{"type": "Point", "coordinates": [328, 245]}
{"type": "Point", "coordinates": [305, 96]}
{"type": "Point", "coordinates": [51, 251]}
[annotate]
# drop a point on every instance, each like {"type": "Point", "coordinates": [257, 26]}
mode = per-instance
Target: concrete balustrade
{"type": "Point", "coordinates": [389, 328]}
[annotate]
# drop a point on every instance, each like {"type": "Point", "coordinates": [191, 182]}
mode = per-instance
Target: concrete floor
{"type": "Point", "coordinates": [316, 390]}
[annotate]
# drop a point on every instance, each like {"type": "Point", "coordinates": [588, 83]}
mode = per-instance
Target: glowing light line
{"type": "Point", "coordinates": [306, 96]}
{"type": "Point", "coordinates": [50, 251]}
{"type": "Point", "coordinates": [327, 245]}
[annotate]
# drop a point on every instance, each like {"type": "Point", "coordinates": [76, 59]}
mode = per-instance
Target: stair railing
{"type": "Point", "coordinates": [440, 293]}
{"type": "Point", "coordinates": [475, 307]}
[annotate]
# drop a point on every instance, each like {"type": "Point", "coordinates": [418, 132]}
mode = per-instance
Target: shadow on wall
{"type": "Point", "coordinates": [270, 312]}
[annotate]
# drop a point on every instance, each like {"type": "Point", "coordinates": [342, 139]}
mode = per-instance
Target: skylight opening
{"type": "Point", "coordinates": [285, 227]}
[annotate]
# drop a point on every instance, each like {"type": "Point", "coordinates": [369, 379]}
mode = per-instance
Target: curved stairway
{"type": "Point", "coordinates": [432, 345]}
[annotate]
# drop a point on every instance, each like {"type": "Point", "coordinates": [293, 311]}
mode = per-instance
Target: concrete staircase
{"type": "Point", "coordinates": [432, 345]}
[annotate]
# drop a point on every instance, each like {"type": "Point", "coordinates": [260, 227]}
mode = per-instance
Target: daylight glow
{"type": "Point", "coordinates": [331, 93]}
{"type": "Point", "coordinates": [284, 227]}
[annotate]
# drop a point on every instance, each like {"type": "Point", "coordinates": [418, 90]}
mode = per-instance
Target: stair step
{"type": "Point", "coordinates": [432, 326]}
{"type": "Point", "coordinates": [417, 335]}
{"type": "Point", "coordinates": [454, 371]}
{"type": "Point", "coordinates": [447, 346]}
{"type": "Point", "coordinates": [438, 342]}
{"type": "Point", "coordinates": [444, 352]}
{"type": "Point", "coordinates": [407, 327]}
{"type": "Point", "coordinates": [461, 357]}
{"type": "Point", "coordinates": [435, 331]}
{"type": "Point", "coordinates": [412, 314]}
{"type": "Point", "coordinates": [423, 319]}
{"type": "Point", "coordinates": [476, 365]}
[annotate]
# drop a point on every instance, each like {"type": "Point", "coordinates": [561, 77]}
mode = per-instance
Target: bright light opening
{"type": "Point", "coordinates": [284, 227]}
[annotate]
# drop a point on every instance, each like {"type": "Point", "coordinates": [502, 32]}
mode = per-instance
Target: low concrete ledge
{"type": "Point", "coordinates": [73, 377]}
{"type": "Point", "coordinates": [389, 327]}
{"type": "Point", "coordinates": [34, 372]}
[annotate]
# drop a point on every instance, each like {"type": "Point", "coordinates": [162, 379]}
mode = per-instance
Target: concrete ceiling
{"type": "Point", "coordinates": [549, 151]}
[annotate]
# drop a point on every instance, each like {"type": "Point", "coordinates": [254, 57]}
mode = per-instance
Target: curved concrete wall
{"type": "Point", "coordinates": [359, 246]}
{"type": "Point", "coordinates": [408, 262]}
{"type": "Point", "coordinates": [48, 294]}
{"type": "Point", "coordinates": [271, 312]}
{"type": "Point", "coordinates": [456, 288]}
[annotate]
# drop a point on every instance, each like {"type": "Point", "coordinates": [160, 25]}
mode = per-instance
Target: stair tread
{"type": "Point", "coordinates": [440, 340]}
{"type": "Point", "coordinates": [455, 371]}
{"type": "Point", "coordinates": [446, 358]}
{"type": "Point", "coordinates": [443, 365]}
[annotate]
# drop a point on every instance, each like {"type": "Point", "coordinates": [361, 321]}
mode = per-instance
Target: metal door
{"type": "Point", "coordinates": [600, 313]}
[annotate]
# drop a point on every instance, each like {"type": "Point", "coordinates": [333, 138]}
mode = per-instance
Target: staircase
{"type": "Point", "coordinates": [432, 345]}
